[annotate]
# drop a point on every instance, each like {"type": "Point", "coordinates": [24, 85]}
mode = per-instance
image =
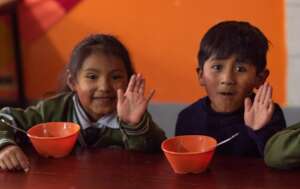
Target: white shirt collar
{"type": "Point", "coordinates": [110, 120]}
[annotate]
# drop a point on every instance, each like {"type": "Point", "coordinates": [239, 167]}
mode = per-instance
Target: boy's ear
{"type": "Point", "coordinates": [200, 76]}
{"type": "Point", "coordinates": [261, 78]}
{"type": "Point", "coordinates": [70, 81]}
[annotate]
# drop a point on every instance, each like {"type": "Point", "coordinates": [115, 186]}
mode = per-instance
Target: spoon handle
{"type": "Point", "coordinates": [228, 139]}
{"type": "Point", "coordinates": [6, 123]}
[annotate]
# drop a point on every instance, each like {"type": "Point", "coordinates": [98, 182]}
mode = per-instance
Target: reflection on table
{"type": "Point", "coordinates": [115, 168]}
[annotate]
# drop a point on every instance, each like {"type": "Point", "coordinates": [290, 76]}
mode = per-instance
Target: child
{"type": "Point", "coordinates": [283, 149]}
{"type": "Point", "coordinates": [97, 76]}
{"type": "Point", "coordinates": [232, 62]}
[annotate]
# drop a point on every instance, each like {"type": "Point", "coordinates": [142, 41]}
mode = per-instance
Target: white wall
{"type": "Point", "coordinates": [293, 44]}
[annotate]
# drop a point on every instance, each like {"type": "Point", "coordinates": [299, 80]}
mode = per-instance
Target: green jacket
{"type": "Point", "coordinates": [282, 150]}
{"type": "Point", "coordinates": [61, 108]}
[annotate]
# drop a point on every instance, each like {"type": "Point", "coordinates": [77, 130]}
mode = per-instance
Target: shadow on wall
{"type": "Point", "coordinates": [165, 115]}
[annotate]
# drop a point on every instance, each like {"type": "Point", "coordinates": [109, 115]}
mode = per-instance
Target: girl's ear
{"type": "Point", "coordinates": [70, 81]}
{"type": "Point", "coordinates": [261, 78]}
{"type": "Point", "coordinates": [200, 76]}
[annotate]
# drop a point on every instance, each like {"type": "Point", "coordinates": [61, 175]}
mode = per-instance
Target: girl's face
{"type": "Point", "coordinates": [228, 82]}
{"type": "Point", "coordinates": [97, 82]}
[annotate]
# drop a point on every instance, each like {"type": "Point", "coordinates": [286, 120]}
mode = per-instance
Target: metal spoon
{"type": "Point", "coordinates": [17, 128]}
{"type": "Point", "coordinates": [228, 139]}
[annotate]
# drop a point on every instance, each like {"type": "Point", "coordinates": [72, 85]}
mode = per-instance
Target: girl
{"type": "Point", "coordinates": [96, 79]}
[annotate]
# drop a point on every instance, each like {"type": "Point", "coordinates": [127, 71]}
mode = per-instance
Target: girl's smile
{"type": "Point", "coordinates": [97, 83]}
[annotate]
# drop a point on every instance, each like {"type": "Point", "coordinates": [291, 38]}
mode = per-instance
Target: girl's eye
{"type": "Point", "coordinates": [217, 67]}
{"type": "Point", "coordinates": [241, 69]}
{"type": "Point", "coordinates": [91, 76]}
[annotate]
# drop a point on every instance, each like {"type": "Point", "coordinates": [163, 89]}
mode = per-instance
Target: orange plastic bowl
{"type": "Point", "coordinates": [189, 153]}
{"type": "Point", "coordinates": [54, 139]}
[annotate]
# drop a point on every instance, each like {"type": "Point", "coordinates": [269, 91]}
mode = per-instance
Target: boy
{"type": "Point", "coordinates": [232, 62]}
{"type": "Point", "coordinates": [283, 149]}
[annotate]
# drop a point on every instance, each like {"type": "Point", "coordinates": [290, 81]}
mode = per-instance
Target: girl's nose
{"type": "Point", "coordinates": [104, 84]}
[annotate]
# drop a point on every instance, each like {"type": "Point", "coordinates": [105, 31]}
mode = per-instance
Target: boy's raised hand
{"type": "Point", "coordinates": [13, 158]}
{"type": "Point", "coordinates": [259, 113]}
{"type": "Point", "coordinates": [132, 104]}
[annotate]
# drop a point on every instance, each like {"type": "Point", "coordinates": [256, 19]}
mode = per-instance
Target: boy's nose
{"type": "Point", "coordinates": [228, 79]}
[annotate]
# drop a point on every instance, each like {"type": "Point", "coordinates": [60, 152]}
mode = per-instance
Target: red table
{"type": "Point", "coordinates": [111, 168]}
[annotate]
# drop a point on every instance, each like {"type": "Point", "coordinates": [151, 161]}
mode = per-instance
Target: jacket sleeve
{"type": "Point", "coordinates": [283, 149]}
{"type": "Point", "coordinates": [18, 117]}
{"type": "Point", "coordinates": [262, 135]}
{"type": "Point", "coordinates": [51, 109]}
{"type": "Point", "coordinates": [146, 136]}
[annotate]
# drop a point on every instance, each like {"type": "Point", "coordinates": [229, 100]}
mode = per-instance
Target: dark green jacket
{"type": "Point", "coordinates": [61, 108]}
{"type": "Point", "coordinates": [282, 150]}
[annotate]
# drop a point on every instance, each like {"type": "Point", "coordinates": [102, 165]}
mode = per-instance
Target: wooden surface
{"type": "Point", "coordinates": [106, 168]}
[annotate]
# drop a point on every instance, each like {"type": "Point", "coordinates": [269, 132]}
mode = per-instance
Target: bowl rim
{"type": "Point", "coordinates": [188, 153]}
{"type": "Point", "coordinates": [42, 138]}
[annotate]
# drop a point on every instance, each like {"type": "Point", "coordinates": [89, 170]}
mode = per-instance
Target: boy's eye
{"type": "Point", "coordinates": [240, 69]}
{"type": "Point", "coordinates": [116, 77]}
{"type": "Point", "coordinates": [217, 67]}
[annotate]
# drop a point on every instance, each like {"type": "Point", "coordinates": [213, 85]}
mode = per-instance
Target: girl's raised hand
{"type": "Point", "coordinates": [133, 104]}
{"type": "Point", "coordinates": [259, 113]}
{"type": "Point", "coordinates": [13, 158]}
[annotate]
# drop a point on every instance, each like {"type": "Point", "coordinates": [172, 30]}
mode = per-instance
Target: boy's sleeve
{"type": "Point", "coordinates": [283, 149]}
{"type": "Point", "coordinates": [146, 136]}
{"type": "Point", "coordinates": [262, 135]}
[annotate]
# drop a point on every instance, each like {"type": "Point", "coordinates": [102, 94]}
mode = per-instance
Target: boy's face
{"type": "Point", "coordinates": [228, 82]}
{"type": "Point", "coordinates": [97, 83]}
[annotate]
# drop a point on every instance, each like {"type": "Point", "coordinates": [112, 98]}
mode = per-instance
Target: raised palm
{"type": "Point", "coordinates": [259, 113]}
{"type": "Point", "coordinates": [133, 104]}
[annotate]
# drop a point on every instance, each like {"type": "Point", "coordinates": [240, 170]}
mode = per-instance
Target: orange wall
{"type": "Point", "coordinates": [163, 38]}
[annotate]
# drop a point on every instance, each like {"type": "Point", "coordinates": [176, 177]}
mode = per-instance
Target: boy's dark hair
{"type": "Point", "coordinates": [241, 39]}
{"type": "Point", "coordinates": [95, 44]}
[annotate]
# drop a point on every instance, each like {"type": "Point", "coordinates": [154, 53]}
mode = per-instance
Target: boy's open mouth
{"type": "Point", "coordinates": [227, 93]}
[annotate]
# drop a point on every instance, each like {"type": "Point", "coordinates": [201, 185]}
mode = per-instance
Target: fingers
{"type": "Point", "coordinates": [3, 165]}
{"type": "Point", "coordinates": [136, 84]}
{"type": "Point", "coordinates": [271, 107]}
{"type": "Point", "coordinates": [120, 95]}
{"type": "Point", "coordinates": [6, 164]}
{"type": "Point", "coordinates": [264, 95]}
{"type": "Point", "coordinates": [139, 83]}
{"type": "Point", "coordinates": [13, 158]}
{"type": "Point", "coordinates": [269, 94]}
{"type": "Point", "coordinates": [131, 83]}
{"type": "Point", "coordinates": [150, 96]}
{"type": "Point", "coordinates": [141, 89]}
{"type": "Point", "coordinates": [248, 104]}
{"type": "Point", "coordinates": [23, 161]}
{"type": "Point", "coordinates": [258, 95]}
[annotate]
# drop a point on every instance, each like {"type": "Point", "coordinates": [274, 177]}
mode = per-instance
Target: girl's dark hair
{"type": "Point", "coordinates": [94, 44]}
{"type": "Point", "coordinates": [241, 39]}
